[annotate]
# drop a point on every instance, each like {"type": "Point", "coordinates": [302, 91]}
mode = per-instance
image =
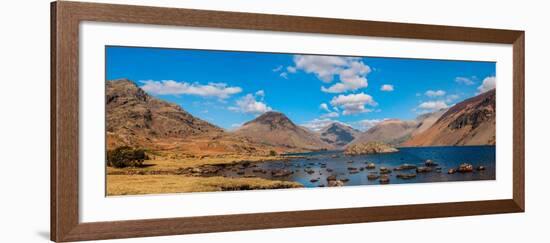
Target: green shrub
{"type": "Point", "coordinates": [273, 153]}
{"type": "Point", "coordinates": [126, 157]}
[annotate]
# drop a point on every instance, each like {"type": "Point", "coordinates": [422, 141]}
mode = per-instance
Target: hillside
{"type": "Point", "coordinates": [470, 122]}
{"type": "Point", "coordinates": [134, 117]}
{"type": "Point", "coordinates": [427, 120]}
{"type": "Point", "coordinates": [275, 129]}
{"type": "Point", "coordinates": [338, 134]}
{"type": "Point", "coordinates": [391, 131]}
{"type": "Point", "coordinates": [137, 119]}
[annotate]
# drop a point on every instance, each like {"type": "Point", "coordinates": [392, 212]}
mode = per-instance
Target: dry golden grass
{"type": "Point", "coordinates": [156, 184]}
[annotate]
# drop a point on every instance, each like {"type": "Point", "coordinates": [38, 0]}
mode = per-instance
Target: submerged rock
{"type": "Point", "coordinates": [384, 179]}
{"type": "Point", "coordinates": [372, 177]}
{"type": "Point", "coordinates": [309, 171]}
{"type": "Point", "coordinates": [384, 170]}
{"type": "Point", "coordinates": [429, 162]}
{"type": "Point", "coordinates": [281, 173]}
{"type": "Point", "coordinates": [451, 171]}
{"type": "Point", "coordinates": [406, 176]}
{"type": "Point", "coordinates": [405, 167]}
{"type": "Point", "coordinates": [423, 169]}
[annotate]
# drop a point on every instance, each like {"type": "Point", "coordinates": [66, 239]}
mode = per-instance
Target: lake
{"type": "Point", "coordinates": [312, 169]}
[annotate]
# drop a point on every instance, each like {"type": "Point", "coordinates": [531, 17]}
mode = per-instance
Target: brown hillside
{"type": "Point", "coordinates": [275, 129]}
{"type": "Point", "coordinates": [392, 131]}
{"type": "Point", "coordinates": [134, 117]}
{"type": "Point", "coordinates": [470, 122]}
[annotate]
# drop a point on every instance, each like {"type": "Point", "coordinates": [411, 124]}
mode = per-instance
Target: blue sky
{"type": "Point", "coordinates": [230, 88]}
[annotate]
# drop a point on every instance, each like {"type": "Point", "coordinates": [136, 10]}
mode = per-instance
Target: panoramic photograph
{"type": "Point", "coordinates": [184, 120]}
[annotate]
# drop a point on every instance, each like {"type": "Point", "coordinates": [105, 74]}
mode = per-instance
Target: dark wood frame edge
{"type": "Point", "coordinates": [65, 19]}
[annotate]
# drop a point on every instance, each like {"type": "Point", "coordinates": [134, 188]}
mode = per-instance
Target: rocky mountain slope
{"type": "Point", "coordinates": [470, 122]}
{"type": "Point", "coordinates": [425, 121]}
{"type": "Point", "coordinates": [338, 134]}
{"type": "Point", "coordinates": [134, 117]}
{"type": "Point", "coordinates": [391, 131]}
{"type": "Point", "coordinates": [274, 128]}
{"type": "Point", "coordinates": [137, 119]}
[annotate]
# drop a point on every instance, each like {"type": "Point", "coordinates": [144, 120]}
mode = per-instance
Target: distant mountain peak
{"type": "Point", "coordinates": [338, 134]}
{"type": "Point", "coordinates": [274, 119]}
{"type": "Point", "coordinates": [275, 128]}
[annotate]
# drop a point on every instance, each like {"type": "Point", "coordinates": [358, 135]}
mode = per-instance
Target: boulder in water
{"type": "Point", "coordinates": [384, 179]}
{"type": "Point", "coordinates": [465, 168]}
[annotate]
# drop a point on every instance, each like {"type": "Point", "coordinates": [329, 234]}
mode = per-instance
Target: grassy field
{"type": "Point", "coordinates": [160, 175]}
{"type": "Point", "coordinates": [157, 184]}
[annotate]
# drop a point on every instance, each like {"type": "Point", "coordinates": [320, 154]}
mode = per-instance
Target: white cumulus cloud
{"type": "Point", "coordinates": [277, 69]}
{"type": "Point", "coordinates": [350, 70]}
{"type": "Point", "coordinates": [260, 93]}
{"type": "Point", "coordinates": [318, 124]}
{"type": "Point", "coordinates": [353, 103]}
{"type": "Point", "coordinates": [465, 80]}
{"type": "Point", "coordinates": [366, 124]}
{"type": "Point", "coordinates": [489, 83]}
{"type": "Point", "coordinates": [331, 114]}
{"type": "Point", "coordinates": [430, 106]}
{"type": "Point", "coordinates": [387, 87]}
{"type": "Point", "coordinates": [171, 87]}
{"type": "Point", "coordinates": [249, 104]}
{"type": "Point", "coordinates": [324, 106]}
{"type": "Point", "coordinates": [435, 93]}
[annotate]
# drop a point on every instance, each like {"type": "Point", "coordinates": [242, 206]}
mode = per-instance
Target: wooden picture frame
{"type": "Point", "coordinates": [65, 19]}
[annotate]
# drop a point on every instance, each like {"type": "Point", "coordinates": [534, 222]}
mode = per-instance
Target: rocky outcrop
{"type": "Point", "coordinates": [369, 148]}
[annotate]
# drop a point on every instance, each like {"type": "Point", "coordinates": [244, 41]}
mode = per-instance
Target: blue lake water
{"type": "Point", "coordinates": [335, 163]}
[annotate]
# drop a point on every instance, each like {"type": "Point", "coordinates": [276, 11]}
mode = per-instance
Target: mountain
{"type": "Point", "coordinates": [390, 131]}
{"type": "Point", "coordinates": [470, 122]}
{"type": "Point", "coordinates": [134, 117]}
{"type": "Point", "coordinates": [274, 128]}
{"type": "Point", "coordinates": [338, 134]}
{"type": "Point", "coordinates": [425, 121]}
